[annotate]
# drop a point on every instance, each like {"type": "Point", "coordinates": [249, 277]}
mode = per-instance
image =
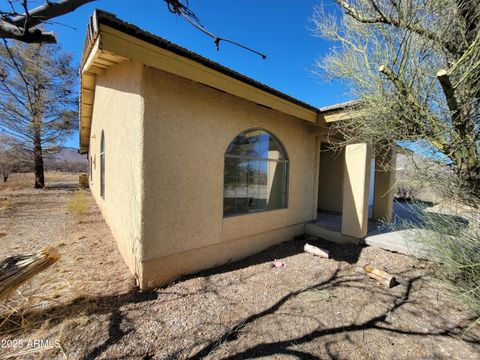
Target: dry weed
{"type": "Point", "coordinates": [32, 297]}
{"type": "Point", "coordinates": [77, 205]}
{"type": "Point", "coordinates": [18, 182]}
{"type": "Point", "coordinates": [6, 204]}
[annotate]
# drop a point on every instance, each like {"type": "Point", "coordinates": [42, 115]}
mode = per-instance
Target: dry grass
{"type": "Point", "coordinates": [15, 274]}
{"type": "Point", "coordinates": [19, 181]}
{"type": "Point", "coordinates": [36, 294]}
{"type": "Point", "coordinates": [311, 308]}
{"type": "Point", "coordinates": [6, 204]}
{"type": "Point", "coordinates": [56, 303]}
{"type": "Point", "coordinates": [77, 205]}
{"type": "Point", "coordinates": [17, 321]}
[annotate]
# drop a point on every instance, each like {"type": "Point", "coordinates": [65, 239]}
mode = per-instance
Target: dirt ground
{"type": "Point", "coordinates": [86, 306]}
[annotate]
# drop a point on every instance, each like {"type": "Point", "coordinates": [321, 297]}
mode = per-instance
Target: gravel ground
{"type": "Point", "coordinates": [87, 306]}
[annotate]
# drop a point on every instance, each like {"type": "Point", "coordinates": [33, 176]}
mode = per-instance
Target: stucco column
{"type": "Point", "coordinates": [356, 186]}
{"type": "Point", "coordinates": [385, 162]}
{"type": "Point", "coordinates": [316, 179]}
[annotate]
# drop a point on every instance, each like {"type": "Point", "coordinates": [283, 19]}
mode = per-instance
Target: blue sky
{"type": "Point", "coordinates": [278, 28]}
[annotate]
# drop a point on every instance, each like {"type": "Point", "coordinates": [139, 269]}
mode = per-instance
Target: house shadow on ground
{"type": "Point", "coordinates": [336, 334]}
{"type": "Point", "coordinates": [67, 186]}
{"type": "Point", "coordinates": [349, 253]}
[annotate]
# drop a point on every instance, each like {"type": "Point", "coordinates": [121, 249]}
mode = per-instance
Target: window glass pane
{"type": "Point", "coordinates": [230, 182]}
{"type": "Point", "coordinates": [277, 185]}
{"type": "Point", "coordinates": [229, 206]}
{"type": "Point", "coordinates": [242, 186]}
{"type": "Point", "coordinates": [102, 166]}
{"type": "Point", "coordinates": [236, 146]}
{"type": "Point", "coordinates": [262, 178]}
{"type": "Point", "coordinates": [275, 149]}
{"type": "Point", "coordinates": [256, 143]}
{"type": "Point", "coordinates": [252, 186]}
{"type": "Point", "coordinates": [230, 186]}
{"type": "Point", "coordinates": [256, 170]}
{"type": "Point", "coordinates": [244, 145]}
{"type": "Point", "coordinates": [252, 138]}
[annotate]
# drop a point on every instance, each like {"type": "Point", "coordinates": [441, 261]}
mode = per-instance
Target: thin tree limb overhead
{"type": "Point", "coordinates": [22, 26]}
{"type": "Point", "coordinates": [47, 11]}
{"type": "Point", "coordinates": [392, 20]}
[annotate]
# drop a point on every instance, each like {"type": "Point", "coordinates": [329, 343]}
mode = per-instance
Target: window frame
{"type": "Point", "coordinates": [286, 161]}
{"type": "Point", "coordinates": [90, 167]}
{"type": "Point", "coordinates": [102, 165]}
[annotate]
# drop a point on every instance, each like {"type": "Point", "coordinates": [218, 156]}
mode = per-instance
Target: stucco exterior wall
{"type": "Point", "coordinates": [118, 112]}
{"type": "Point", "coordinates": [330, 181]}
{"type": "Point", "coordinates": [188, 127]}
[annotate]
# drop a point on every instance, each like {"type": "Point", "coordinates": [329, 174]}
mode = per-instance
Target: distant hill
{"type": "Point", "coordinates": [70, 154]}
{"type": "Point", "coordinates": [67, 159]}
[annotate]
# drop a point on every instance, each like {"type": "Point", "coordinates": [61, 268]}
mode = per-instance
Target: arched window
{"type": "Point", "coordinates": [255, 175]}
{"type": "Point", "coordinates": [102, 166]}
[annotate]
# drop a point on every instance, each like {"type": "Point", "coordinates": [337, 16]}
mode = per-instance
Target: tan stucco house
{"type": "Point", "coordinates": [194, 165]}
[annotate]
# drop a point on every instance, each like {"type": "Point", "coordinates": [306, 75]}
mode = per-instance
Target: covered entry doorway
{"type": "Point", "coordinates": [354, 192]}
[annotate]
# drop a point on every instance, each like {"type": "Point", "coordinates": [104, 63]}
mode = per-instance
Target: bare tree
{"type": "Point", "coordinates": [38, 102]}
{"type": "Point", "coordinates": [415, 67]}
{"type": "Point", "coordinates": [6, 162]}
{"type": "Point", "coordinates": [12, 157]}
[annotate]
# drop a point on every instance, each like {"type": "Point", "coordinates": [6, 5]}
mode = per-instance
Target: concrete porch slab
{"type": "Point", "coordinates": [328, 227]}
{"type": "Point", "coordinates": [397, 241]}
{"type": "Point", "coordinates": [329, 234]}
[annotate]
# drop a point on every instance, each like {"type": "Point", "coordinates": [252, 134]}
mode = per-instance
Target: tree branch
{"type": "Point", "coordinates": [382, 19]}
{"type": "Point", "coordinates": [349, 10]}
{"type": "Point", "coordinates": [48, 11]}
{"type": "Point", "coordinates": [22, 76]}
{"type": "Point", "coordinates": [449, 92]}
{"type": "Point", "coordinates": [176, 7]}
{"type": "Point", "coordinates": [394, 79]}
{"type": "Point", "coordinates": [467, 10]}
{"type": "Point", "coordinates": [22, 27]}
{"type": "Point", "coordinates": [9, 31]}
{"type": "Point", "coordinates": [435, 132]}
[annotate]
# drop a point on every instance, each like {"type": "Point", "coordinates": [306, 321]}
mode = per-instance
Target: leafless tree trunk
{"type": "Point", "coordinates": [38, 159]}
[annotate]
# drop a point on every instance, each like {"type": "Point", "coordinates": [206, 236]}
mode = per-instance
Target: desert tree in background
{"type": "Point", "coordinates": [12, 157]}
{"type": "Point", "coordinates": [414, 66]}
{"type": "Point", "coordinates": [38, 99]}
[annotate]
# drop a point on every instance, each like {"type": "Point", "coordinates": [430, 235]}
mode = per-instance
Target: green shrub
{"type": "Point", "coordinates": [450, 229]}
{"type": "Point", "coordinates": [456, 245]}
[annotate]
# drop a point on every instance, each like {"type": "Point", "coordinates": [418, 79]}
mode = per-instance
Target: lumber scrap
{"type": "Point", "coordinates": [380, 276]}
{"type": "Point", "coordinates": [18, 269]}
{"type": "Point", "coordinates": [316, 251]}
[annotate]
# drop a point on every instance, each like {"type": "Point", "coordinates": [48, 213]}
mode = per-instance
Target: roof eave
{"type": "Point", "coordinates": [106, 46]}
{"type": "Point", "coordinates": [110, 41]}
